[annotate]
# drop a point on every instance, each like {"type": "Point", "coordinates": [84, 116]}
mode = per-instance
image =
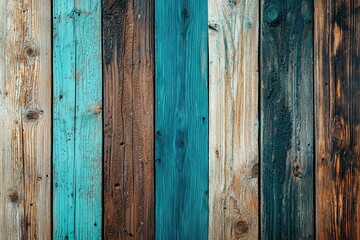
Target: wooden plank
{"type": "Point", "coordinates": [233, 119]}
{"type": "Point", "coordinates": [88, 122]}
{"type": "Point", "coordinates": [287, 149]}
{"type": "Point", "coordinates": [337, 85]}
{"type": "Point", "coordinates": [77, 115]}
{"type": "Point", "coordinates": [25, 119]}
{"type": "Point", "coordinates": [63, 120]}
{"type": "Point", "coordinates": [181, 119]}
{"type": "Point", "coordinates": [128, 66]}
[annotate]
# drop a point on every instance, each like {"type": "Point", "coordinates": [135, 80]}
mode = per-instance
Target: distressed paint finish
{"type": "Point", "coordinates": [337, 74]}
{"type": "Point", "coordinates": [181, 122]}
{"type": "Point", "coordinates": [233, 119]}
{"type": "Point", "coordinates": [25, 119]}
{"type": "Point", "coordinates": [287, 149]}
{"type": "Point", "coordinates": [77, 106]}
{"type": "Point", "coordinates": [128, 66]}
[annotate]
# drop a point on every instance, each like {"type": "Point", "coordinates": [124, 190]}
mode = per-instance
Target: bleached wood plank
{"type": "Point", "coordinates": [25, 119]}
{"type": "Point", "coordinates": [233, 56]}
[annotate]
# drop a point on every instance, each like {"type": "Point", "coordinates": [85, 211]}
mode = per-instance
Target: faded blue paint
{"type": "Point", "coordinates": [77, 121]}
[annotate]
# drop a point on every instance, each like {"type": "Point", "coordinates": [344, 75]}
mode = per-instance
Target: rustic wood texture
{"type": "Point", "coordinates": [287, 149]}
{"type": "Point", "coordinates": [63, 120]}
{"type": "Point", "coordinates": [77, 120]}
{"type": "Point", "coordinates": [181, 120]}
{"type": "Point", "coordinates": [233, 119]}
{"type": "Point", "coordinates": [25, 119]}
{"type": "Point", "coordinates": [128, 66]}
{"type": "Point", "coordinates": [337, 76]}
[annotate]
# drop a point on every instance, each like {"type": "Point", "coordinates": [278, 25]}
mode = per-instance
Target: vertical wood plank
{"type": "Point", "coordinates": [77, 115]}
{"type": "Point", "coordinates": [128, 66]}
{"type": "Point", "coordinates": [233, 119]}
{"type": "Point", "coordinates": [287, 149]}
{"type": "Point", "coordinates": [181, 119]}
{"type": "Point", "coordinates": [337, 82]}
{"type": "Point", "coordinates": [25, 119]}
{"type": "Point", "coordinates": [63, 120]}
{"type": "Point", "coordinates": [88, 121]}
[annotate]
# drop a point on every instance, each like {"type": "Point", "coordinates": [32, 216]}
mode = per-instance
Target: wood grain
{"type": "Point", "coordinates": [233, 119]}
{"type": "Point", "coordinates": [287, 136]}
{"type": "Point", "coordinates": [337, 85]}
{"type": "Point", "coordinates": [181, 119]}
{"type": "Point", "coordinates": [128, 66]}
{"type": "Point", "coordinates": [63, 120]}
{"type": "Point", "coordinates": [25, 119]}
{"type": "Point", "coordinates": [77, 120]}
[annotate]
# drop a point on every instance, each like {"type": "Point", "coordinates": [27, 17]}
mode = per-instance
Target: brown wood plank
{"type": "Point", "coordinates": [337, 86]}
{"type": "Point", "coordinates": [25, 119]}
{"type": "Point", "coordinates": [128, 66]}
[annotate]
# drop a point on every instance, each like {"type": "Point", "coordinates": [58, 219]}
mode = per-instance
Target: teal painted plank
{"type": "Point", "coordinates": [63, 119]}
{"type": "Point", "coordinates": [88, 136]}
{"type": "Point", "coordinates": [77, 120]}
{"type": "Point", "coordinates": [181, 138]}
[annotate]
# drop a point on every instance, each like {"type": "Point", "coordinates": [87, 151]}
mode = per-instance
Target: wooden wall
{"type": "Point", "coordinates": [179, 119]}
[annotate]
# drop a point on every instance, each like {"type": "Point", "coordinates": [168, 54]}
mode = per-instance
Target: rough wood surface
{"type": "Point", "coordinates": [181, 120]}
{"type": "Point", "coordinates": [25, 119]}
{"type": "Point", "coordinates": [128, 66]}
{"type": "Point", "coordinates": [287, 149]}
{"type": "Point", "coordinates": [233, 119]}
{"type": "Point", "coordinates": [337, 74]}
{"type": "Point", "coordinates": [77, 120]}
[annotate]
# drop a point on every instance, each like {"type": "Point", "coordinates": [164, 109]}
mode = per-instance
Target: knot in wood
{"type": "Point", "coordinates": [240, 228]}
{"type": "Point", "coordinates": [30, 51]}
{"type": "Point", "coordinates": [255, 171]}
{"type": "Point", "coordinates": [33, 115]}
{"type": "Point", "coordinates": [97, 109]}
{"type": "Point", "coordinates": [180, 143]}
{"type": "Point", "coordinates": [272, 14]}
{"type": "Point", "coordinates": [185, 13]}
{"type": "Point", "coordinates": [111, 232]}
{"type": "Point", "coordinates": [14, 196]}
{"type": "Point", "coordinates": [297, 171]}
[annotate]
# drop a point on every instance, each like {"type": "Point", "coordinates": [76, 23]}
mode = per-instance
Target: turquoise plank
{"type": "Point", "coordinates": [88, 147]}
{"type": "Point", "coordinates": [77, 137]}
{"type": "Point", "coordinates": [181, 119]}
{"type": "Point", "coordinates": [63, 119]}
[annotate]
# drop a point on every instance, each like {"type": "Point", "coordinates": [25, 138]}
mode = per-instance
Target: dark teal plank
{"type": "Point", "coordinates": [181, 114]}
{"type": "Point", "coordinates": [287, 136]}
